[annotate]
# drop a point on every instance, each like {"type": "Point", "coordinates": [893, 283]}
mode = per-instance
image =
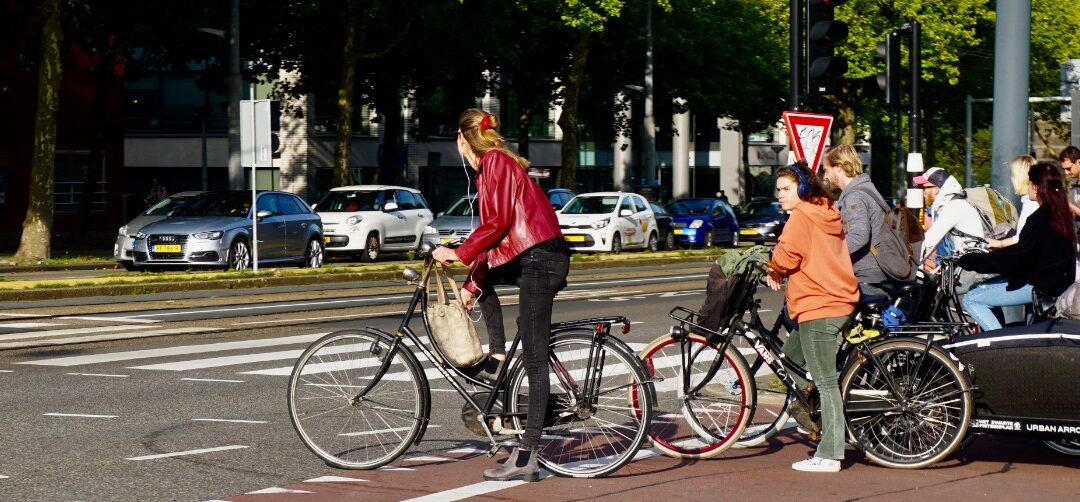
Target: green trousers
{"type": "Point", "coordinates": [813, 347]}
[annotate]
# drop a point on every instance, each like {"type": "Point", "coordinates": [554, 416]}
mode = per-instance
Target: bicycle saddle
{"type": "Point", "coordinates": [896, 289]}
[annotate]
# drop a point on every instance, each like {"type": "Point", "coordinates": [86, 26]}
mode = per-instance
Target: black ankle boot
{"type": "Point", "coordinates": [488, 369]}
{"type": "Point", "coordinates": [520, 463]}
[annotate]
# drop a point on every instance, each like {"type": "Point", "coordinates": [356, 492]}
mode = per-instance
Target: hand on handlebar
{"type": "Point", "coordinates": [445, 255]}
{"type": "Point", "coordinates": [774, 280]}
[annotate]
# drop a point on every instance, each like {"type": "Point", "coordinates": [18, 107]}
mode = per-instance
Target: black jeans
{"type": "Point", "coordinates": [540, 272]}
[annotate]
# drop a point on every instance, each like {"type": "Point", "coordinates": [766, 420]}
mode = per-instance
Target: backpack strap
{"type": "Point", "coordinates": [874, 195]}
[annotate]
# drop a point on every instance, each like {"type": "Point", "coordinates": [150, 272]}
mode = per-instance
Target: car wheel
{"type": "Point", "coordinates": [371, 248]}
{"type": "Point", "coordinates": [616, 244]}
{"type": "Point", "coordinates": [130, 266]}
{"type": "Point", "coordinates": [239, 257]}
{"type": "Point", "coordinates": [654, 243]}
{"type": "Point", "coordinates": [735, 239]}
{"type": "Point", "coordinates": [669, 240]}
{"type": "Point", "coordinates": [314, 255]}
{"type": "Point", "coordinates": [709, 240]}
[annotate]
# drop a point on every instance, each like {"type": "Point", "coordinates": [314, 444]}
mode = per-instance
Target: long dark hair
{"type": "Point", "coordinates": [818, 195]}
{"type": "Point", "coordinates": [1049, 182]}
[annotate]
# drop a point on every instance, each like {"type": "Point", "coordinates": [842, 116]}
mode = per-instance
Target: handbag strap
{"type": "Point", "coordinates": [440, 291]}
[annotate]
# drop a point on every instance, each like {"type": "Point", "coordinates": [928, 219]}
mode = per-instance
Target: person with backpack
{"type": "Point", "coordinates": [1043, 259]}
{"type": "Point", "coordinates": [863, 212]}
{"type": "Point", "coordinates": [956, 223]}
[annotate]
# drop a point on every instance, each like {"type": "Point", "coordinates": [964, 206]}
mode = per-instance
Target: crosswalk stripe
{"type": "Point", "coordinates": [173, 351]}
{"type": "Point", "coordinates": [109, 318]}
{"type": "Point", "coordinates": [188, 452]}
{"type": "Point", "coordinates": [222, 361]}
{"type": "Point", "coordinates": [334, 479]}
{"type": "Point", "coordinates": [33, 342]}
{"type": "Point", "coordinates": [24, 325]}
{"type": "Point", "coordinates": [64, 332]}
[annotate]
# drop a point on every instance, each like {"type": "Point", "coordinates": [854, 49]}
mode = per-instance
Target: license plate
{"type": "Point", "coordinates": [447, 239]}
{"type": "Point", "coordinates": [574, 238]}
{"type": "Point", "coordinates": [326, 239]}
{"type": "Point", "coordinates": [679, 231]}
{"type": "Point", "coordinates": [167, 248]}
{"type": "Point", "coordinates": [748, 232]}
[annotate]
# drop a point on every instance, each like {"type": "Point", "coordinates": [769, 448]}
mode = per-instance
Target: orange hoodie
{"type": "Point", "coordinates": [813, 255]}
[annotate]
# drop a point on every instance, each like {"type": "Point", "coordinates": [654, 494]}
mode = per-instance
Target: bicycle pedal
{"type": "Point", "coordinates": [493, 450]}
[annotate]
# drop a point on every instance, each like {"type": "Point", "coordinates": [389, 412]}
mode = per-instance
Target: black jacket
{"type": "Point", "coordinates": [1040, 258]}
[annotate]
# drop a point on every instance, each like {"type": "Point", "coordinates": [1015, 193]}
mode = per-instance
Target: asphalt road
{"type": "Point", "coordinates": [192, 407]}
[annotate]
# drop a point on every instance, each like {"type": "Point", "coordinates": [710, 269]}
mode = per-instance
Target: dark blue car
{"type": "Point", "coordinates": [703, 222]}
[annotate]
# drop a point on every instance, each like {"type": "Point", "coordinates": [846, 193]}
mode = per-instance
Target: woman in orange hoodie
{"type": "Point", "coordinates": [821, 295]}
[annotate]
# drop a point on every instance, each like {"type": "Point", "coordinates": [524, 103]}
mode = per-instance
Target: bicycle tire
{"type": "Point", "coordinates": [707, 424]}
{"type": "Point", "coordinates": [342, 431]}
{"type": "Point", "coordinates": [593, 440]}
{"type": "Point", "coordinates": [906, 407]}
{"type": "Point", "coordinates": [1069, 447]}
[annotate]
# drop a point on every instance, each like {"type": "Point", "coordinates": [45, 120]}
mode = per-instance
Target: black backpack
{"type": "Point", "coordinates": [889, 243]}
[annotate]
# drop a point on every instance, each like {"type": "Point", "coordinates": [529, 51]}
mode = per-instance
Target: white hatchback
{"type": "Point", "coordinates": [608, 221]}
{"type": "Point", "coordinates": [366, 220]}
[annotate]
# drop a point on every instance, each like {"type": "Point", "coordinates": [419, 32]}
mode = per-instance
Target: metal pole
{"type": "Point", "coordinates": [795, 46]}
{"type": "Point", "coordinates": [649, 134]}
{"type": "Point", "coordinates": [915, 61]}
{"type": "Point", "coordinates": [236, 171]}
{"type": "Point", "coordinates": [254, 195]}
{"type": "Point", "coordinates": [1012, 65]}
{"type": "Point", "coordinates": [1074, 103]}
{"type": "Point", "coordinates": [967, 140]}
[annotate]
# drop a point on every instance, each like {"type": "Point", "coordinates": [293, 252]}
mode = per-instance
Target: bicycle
{"type": "Point", "coordinates": [359, 398]}
{"type": "Point", "coordinates": [907, 402]}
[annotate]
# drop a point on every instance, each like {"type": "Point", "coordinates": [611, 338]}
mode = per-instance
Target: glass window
{"type": "Point", "coordinates": [349, 201]}
{"type": "Point", "coordinates": [405, 200]}
{"type": "Point", "coordinates": [591, 205]}
{"type": "Point", "coordinates": [627, 204]}
{"type": "Point", "coordinates": [640, 203]}
{"type": "Point", "coordinates": [421, 202]}
{"type": "Point", "coordinates": [464, 206]}
{"type": "Point", "coordinates": [69, 179]}
{"type": "Point", "coordinates": [659, 210]}
{"type": "Point", "coordinates": [167, 205]}
{"type": "Point", "coordinates": [267, 202]}
{"type": "Point", "coordinates": [287, 204]}
{"type": "Point", "coordinates": [688, 207]}
{"type": "Point", "coordinates": [217, 204]}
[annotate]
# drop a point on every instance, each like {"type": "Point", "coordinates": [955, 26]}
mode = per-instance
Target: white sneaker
{"type": "Point", "coordinates": [817, 464]}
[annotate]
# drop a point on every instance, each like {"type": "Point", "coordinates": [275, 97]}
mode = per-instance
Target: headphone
{"type": "Point", "coordinates": [805, 188]}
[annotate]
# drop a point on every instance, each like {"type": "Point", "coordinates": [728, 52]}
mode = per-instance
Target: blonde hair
{"type": "Point", "coordinates": [847, 158]}
{"type": "Point", "coordinates": [482, 140]}
{"type": "Point", "coordinates": [1018, 169]}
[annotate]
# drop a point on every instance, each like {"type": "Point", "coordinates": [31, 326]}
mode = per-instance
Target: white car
{"type": "Point", "coordinates": [366, 220]}
{"type": "Point", "coordinates": [608, 221]}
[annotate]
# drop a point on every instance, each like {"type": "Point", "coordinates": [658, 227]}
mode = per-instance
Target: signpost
{"type": "Point", "coordinates": [807, 134]}
{"type": "Point", "coordinates": [255, 151]}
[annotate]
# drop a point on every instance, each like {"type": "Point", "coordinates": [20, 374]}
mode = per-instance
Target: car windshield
{"type": "Point", "coordinates": [591, 205]}
{"type": "Point", "coordinates": [759, 209]}
{"type": "Point", "coordinates": [463, 207]}
{"type": "Point", "coordinates": [167, 205]}
{"type": "Point", "coordinates": [349, 201]}
{"type": "Point", "coordinates": [688, 207]}
{"type": "Point", "coordinates": [217, 204]}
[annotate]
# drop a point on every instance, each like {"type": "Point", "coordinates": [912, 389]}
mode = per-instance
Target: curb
{"type": "Point", "coordinates": [101, 265]}
{"type": "Point", "coordinates": [37, 294]}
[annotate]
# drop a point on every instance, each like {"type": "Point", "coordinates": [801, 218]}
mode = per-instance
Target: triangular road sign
{"type": "Point", "coordinates": [807, 134]}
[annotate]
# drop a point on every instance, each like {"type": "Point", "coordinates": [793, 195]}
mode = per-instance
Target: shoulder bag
{"type": "Point", "coordinates": [451, 328]}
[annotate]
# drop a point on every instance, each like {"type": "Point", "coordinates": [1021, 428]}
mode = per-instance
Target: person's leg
{"type": "Point", "coordinates": [978, 302]}
{"type": "Point", "coordinates": [793, 350]}
{"type": "Point", "coordinates": [491, 308]}
{"type": "Point", "coordinates": [819, 347]}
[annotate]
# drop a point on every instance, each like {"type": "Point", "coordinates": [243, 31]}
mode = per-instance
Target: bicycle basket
{"type": "Point", "coordinates": [723, 297]}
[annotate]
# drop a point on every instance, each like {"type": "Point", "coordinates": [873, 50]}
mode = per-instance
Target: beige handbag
{"type": "Point", "coordinates": [450, 326]}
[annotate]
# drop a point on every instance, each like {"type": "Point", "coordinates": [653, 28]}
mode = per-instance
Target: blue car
{"type": "Point", "coordinates": [703, 222]}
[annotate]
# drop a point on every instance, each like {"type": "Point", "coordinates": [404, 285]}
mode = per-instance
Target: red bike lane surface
{"type": "Point", "coordinates": [991, 468]}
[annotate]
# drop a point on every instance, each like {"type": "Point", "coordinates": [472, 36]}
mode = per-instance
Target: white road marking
{"type": "Point", "coordinates": [77, 415]}
{"type": "Point", "coordinates": [7, 371]}
{"type": "Point", "coordinates": [64, 332]}
{"type": "Point", "coordinates": [188, 452]}
{"type": "Point", "coordinates": [275, 489]}
{"type": "Point", "coordinates": [18, 325]}
{"type": "Point", "coordinates": [215, 362]}
{"type": "Point", "coordinates": [393, 468]}
{"type": "Point", "coordinates": [322, 318]}
{"type": "Point", "coordinates": [464, 492]}
{"type": "Point", "coordinates": [384, 431]}
{"type": "Point", "coordinates": [32, 341]}
{"type": "Point", "coordinates": [229, 420]}
{"type": "Point", "coordinates": [274, 306]}
{"type": "Point", "coordinates": [21, 315]}
{"type": "Point", "coordinates": [212, 380]}
{"type": "Point", "coordinates": [429, 458]}
{"type": "Point", "coordinates": [173, 351]}
{"type": "Point", "coordinates": [335, 479]}
{"type": "Point", "coordinates": [3, 476]}
{"type": "Point", "coordinates": [99, 375]}
{"type": "Point", "coordinates": [108, 318]}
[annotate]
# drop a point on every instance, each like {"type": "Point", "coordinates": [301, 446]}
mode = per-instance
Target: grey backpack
{"type": "Point", "coordinates": [888, 242]}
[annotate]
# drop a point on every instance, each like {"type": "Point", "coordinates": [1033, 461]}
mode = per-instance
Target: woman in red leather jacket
{"type": "Point", "coordinates": [518, 240]}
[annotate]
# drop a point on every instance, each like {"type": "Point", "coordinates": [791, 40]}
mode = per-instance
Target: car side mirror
{"type": "Point", "coordinates": [625, 212]}
{"type": "Point", "coordinates": [264, 214]}
{"type": "Point", "coordinates": [313, 206]}
{"type": "Point", "coordinates": [390, 206]}
{"type": "Point", "coordinates": [439, 214]}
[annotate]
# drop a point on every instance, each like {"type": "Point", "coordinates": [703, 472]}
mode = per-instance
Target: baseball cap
{"type": "Point", "coordinates": [934, 176]}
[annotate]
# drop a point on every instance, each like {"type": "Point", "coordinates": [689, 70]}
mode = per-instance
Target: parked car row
{"type": "Point", "coordinates": [214, 228]}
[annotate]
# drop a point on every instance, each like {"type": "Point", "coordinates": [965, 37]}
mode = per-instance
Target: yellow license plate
{"type": "Point", "coordinates": [447, 239]}
{"type": "Point", "coordinates": [326, 239]}
{"type": "Point", "coordinates": [748, 232]}
{"type": "Point", "coordinates": [574, 238]}
{"type": "Point", "coordinates": [679, 231]}
{"type": "Point", "coordinates": [167, 248]}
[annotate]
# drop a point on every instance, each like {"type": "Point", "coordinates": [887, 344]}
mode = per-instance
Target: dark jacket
{"type": "Point", "coordinates": [862, 216]}
{"type": "Point", "coordinates": [515, 215]}
{"type": "Point", "coordinates": [1040, 258]}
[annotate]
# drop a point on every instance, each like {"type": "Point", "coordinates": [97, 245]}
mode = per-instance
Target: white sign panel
{"type": "Point", "coordinates": [255, 144]}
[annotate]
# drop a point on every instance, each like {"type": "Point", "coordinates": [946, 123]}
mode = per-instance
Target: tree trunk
{"type": "Point", "coordinates": [845, 115]}
{"type": "Point", "coordinates": [568, 119]}
{"type": "Point", "coordinates": [349, 59]}
{"type": "Point", "coordinates": [98, 127]}
{"type": "Point", "coordinates": [524, 123]}
{"type": "Point", "coordinates": [35, 243]}
{"type": "Point", "coordinates": [389, 109]}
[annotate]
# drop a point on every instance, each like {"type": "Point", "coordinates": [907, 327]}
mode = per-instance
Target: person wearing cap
{"type": "Point", "coordinates": [953, 216]}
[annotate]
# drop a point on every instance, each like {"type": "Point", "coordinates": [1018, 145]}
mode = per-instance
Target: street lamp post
{"type": "Point", "coordinates": [648, 135]}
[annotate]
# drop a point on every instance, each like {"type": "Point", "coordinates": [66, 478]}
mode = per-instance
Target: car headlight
{"type": "Point", "coordinates": [598, 224]}
{"type": "Point", "coordinates": [696, 223]}
{"type": "Point", "coordinates": [430, 230]}
{"type": "Point", "coordinates": [122, 230]}
{"type": "Point", "coordinates": [354, 220]}
{"type": "Point", "coordinates": [210, 236]}
{"type": "Point", "coordinates": [141, 235]}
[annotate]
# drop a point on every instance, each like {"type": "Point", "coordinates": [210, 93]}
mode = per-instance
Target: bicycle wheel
{"type": "Point", "coordinates": [906, 407]}
{"type": "Point", "coordinates": [1064, 446]}
{"type": "Point", "coordinates": [770, 412]}
{"type": "Point", "coordinates": [707, 422]}
{"type": "Point", "coordinates": [347, 430]}
{"type": "Point", "coordinates": [587, 434]}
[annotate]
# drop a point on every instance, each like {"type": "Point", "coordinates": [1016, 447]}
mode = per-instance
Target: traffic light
{"type": "Point", "coordinates": [823, 69]}
{"type": "Point", "coordinates": [889, 80]}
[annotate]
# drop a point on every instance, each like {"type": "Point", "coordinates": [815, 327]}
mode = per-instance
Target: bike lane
{"type": "Point", "coordinates": [992, 468]}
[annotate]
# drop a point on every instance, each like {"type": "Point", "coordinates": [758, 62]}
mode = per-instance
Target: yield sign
{"type": "Point", "coordinates": [806, 133]}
